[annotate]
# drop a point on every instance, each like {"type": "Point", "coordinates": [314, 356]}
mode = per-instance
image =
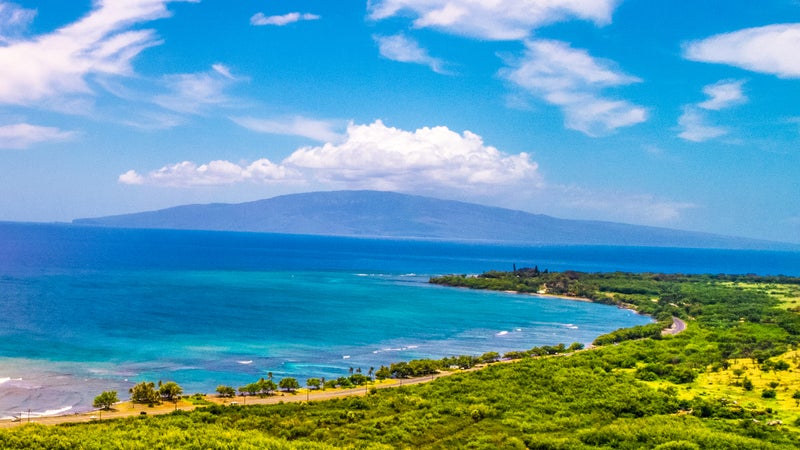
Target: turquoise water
{"type": "Point", "coordinates": [86, 310]}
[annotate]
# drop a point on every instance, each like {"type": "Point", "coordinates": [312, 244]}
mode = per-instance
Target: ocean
{"type": "Point", "coordinates": [86, 310]}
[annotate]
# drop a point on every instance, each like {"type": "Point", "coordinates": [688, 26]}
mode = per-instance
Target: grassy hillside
{"type": "Point", "coordinates": [731, 380]}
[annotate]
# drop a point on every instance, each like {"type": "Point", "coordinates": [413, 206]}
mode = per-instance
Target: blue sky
{"type": "Point", "coordinates": [683, 114]}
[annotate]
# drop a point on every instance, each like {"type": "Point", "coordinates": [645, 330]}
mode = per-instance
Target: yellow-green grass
{"type": "Point", "coordinates": [787, 294]}
{"type": "Point", "coordinates": [727, 384]}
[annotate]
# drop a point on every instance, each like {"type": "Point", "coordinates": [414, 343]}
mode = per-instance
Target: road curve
{"type": "Point", "coordinates": [677, 326]}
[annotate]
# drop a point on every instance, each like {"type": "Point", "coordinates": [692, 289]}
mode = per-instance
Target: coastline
{"type": "Point", "coordinates": [127, 409]}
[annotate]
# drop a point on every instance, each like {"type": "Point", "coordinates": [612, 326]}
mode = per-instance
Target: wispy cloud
{"type": "Point", "coordinates": [493, 19]}
{"type": "Point", "coordinates": [23, 135]}
{"type": "Point", "coordinates": [401, 48]}
{"type": "Point", "coordinates": [318, 130]}
{"type": "Point", "coordinates": [694, 121]}
{"type": "Point", "coordinates": [14, 20]}
{"type": "Point", "coordinates": [259, 19]}
{"type": "Point", "coordinates": [695, 127]}
{"type": "Point", "coordinates": [723, 94]}
{"type": "Point", "coordinates": [103, 43]}
{"type": "Point", "coordinates": [370, 156]}
{"type": "Point", "coordinates": [192, 93]}
{"type": "Point", "coordinates": [646, 209]}
{"type": "Point", "coordinates": [573, 80]}
{"type": "Point", "coordinates": [770, 49]}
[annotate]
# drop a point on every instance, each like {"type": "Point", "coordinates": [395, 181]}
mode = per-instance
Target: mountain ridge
{"type": "Point", "coordinates": [394, 215]}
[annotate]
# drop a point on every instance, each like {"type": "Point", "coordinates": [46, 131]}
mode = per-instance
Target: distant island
{"type": "Point", "coordinates": [394, 215]}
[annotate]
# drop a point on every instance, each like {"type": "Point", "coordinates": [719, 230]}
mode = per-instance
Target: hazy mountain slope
{"type": "Point", "coordinates": [387, 214]}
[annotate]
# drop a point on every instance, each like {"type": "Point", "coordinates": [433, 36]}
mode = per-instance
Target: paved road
{"type": "Point", "coordinates": [677, 326]}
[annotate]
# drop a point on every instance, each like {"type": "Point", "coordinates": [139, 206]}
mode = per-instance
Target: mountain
{"type": "Point", "coordinates": [393, 215]}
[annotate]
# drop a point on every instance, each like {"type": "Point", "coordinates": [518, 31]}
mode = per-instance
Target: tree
{"type": "Point", "coordinates": [313, 383]}
{"type": "Point", "coordinates": [289, 384]}
{"type": "Point", "coordinates": [575, 346]}
{"type": "Point", "coordinates": [383, 373]}
{"type": "Point", "coordinates": [226, 391]}
{"type": "Point", "coordinates": [266, 387]}
{"type": "Point", "coordinates": [144, 392]}
{"type": "Point", "coordinates": [105, 400]}
{"type": "Point", "coordinates": [251, 389]}
{"type": "Point", "coordinates": [170, 391]}
{"type": "Point", "coordinates": [489, 357]}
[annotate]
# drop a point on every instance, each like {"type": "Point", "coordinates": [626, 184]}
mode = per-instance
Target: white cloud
{"type": "Point", "coordinates": [131, 177]}
{"type": "Point", "coordinates": [192, 92]}
{"type": "Point", "coordinates": [381, 157]}
{"type": "Point", "coordinates": [259, 19]}
{"type": "Point", "coordinates": [723, 94]}
{"type": "Point", "coordinates": [771, 49]}
{"type": "Point", "coordinates": [493, 19]}
{"type": "Point", "coordinates": [695, 127]}
{"type": "Point", "coordinates": [56, 64]}
{"type": "Point", "coordinates": [403, 49]}
{"type": "Point", "coordinates": [215, 173]}
{"type": "Point", "coordinates": [572, 79]}
{"type": "Point", "coordinates": [23, 135]}
{"type": "Point", "coordinates": [693, 122]}
{"type": "Point", "coordinates": [371, 156]}
{"type": "Point", "coordinates": [318, 130]}
{"type": "Point", "coordinates": [14, 20]}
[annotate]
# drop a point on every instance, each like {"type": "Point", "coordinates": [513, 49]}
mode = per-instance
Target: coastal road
{"type": "Point", "coordinates": [677, 326]}
{"type": "Point", "coordinates": [128, 409]}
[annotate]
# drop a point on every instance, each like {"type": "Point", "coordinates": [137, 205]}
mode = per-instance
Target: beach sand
{"type": "Point", "coordinates": [129, 409]}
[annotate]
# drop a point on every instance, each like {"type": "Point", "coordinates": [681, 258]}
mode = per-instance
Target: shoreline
{"type": "Point", "coordinates": [81, 413]}
{"type": "Point", "coordinates": [127, 409]}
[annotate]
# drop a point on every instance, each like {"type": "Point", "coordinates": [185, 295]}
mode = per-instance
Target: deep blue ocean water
{"type": "Point", "coordinates": [83, 310]}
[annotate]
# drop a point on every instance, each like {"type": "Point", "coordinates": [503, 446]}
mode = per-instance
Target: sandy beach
{"type": "Point", "coordinates": [129, 409]}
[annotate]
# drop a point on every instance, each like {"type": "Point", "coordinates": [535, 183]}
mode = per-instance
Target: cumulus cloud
{"type": "Point", "coordinates": [103, 43]}
{"type": "Point", "coordinates": [23, 135]}
{"type": "Point", "coordinates": [259, 19]}
{"type": "Point", "coordinates": [695, 126]}
{"type": "Point", "coordinates": [381, 157]}
{"type": "Point", "coordinates": [572, 79]}
{"type": "Point", "coordinates": [370, 156]}
{"type": "Point", "coordinates": [318, 130]}
{"type": "Point", "coordinates": [770, 49]}
{"type": "Point", "coordinates": [214, 173]}
{"type": "Point", "coordinates": [192, 92]}
{"type": "Point", "coordinates": [493, 19]}
{"type": "Point", "coordinates": [403, 49]}
{"type": "Point", "coordinates": [723, 94]}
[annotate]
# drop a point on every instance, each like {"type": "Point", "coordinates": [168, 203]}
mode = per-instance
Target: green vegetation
{"type": "Point", "coordinates": [106, 400]}
{"type": "Point", "coordinates": [225, 391]}
{"type": "Point", "coordinates": [170, 391]}
{"type": "Point", "coordinates": [289, 384]}
{"type": "Point", "coordinates": [730, 381]}
{"type": "Point", "coordinates": [145, 392]}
